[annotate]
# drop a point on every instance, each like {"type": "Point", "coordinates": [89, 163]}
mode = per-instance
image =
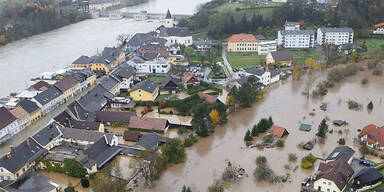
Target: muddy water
{"type": "Point", "coordinates": [288, 107]}
{"type": "Point", "coordinates": [64, 181]}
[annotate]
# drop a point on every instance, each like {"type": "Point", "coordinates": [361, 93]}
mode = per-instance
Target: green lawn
{"type": "Point", "coordinates": [156, 78]}
{"type": "Point", "coordinates": [300, 55]}
{"type": "Point", "coordinates": [372, 44]}
{"type": "Point", "coordinates": [244, 59]}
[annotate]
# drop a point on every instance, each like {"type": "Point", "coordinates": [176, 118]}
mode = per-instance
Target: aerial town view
{"type": "Point", "coordinates": [192, 95]}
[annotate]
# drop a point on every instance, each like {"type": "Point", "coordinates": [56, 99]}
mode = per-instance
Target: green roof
{"type": "Point", "coordinates": [305, 127]}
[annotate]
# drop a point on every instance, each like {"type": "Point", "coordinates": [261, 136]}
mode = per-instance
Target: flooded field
{"type": "Point", "coordinates": [288, 107]}
{"type": "Point", "coordinates": [63, 181]}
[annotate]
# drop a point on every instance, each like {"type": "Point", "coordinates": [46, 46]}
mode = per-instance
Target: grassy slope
{"type": "Point", "coordinates": [372, 44]}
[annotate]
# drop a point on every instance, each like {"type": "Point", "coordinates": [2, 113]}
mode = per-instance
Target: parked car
{"type": "Point", "coordinates": [365, 163]}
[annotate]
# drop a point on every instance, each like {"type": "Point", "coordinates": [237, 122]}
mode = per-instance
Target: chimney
{"type": "Point", "coordinates": [9, 156]}
{"type": "Point", "coordinates": [12, 147]}
{"type": "Point", "coordinates": [52, 136]}
{"type": "Point", "coordinates": [28, 143]}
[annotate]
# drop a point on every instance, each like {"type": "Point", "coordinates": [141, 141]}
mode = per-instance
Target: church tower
{"type": "Point", "coordinates": [169, 21]}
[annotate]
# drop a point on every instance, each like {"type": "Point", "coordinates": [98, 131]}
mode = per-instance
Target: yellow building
{"type": "Point", "coordinates": [32, 109]}
{"type": "Point", "coordinates": [82, 62]}
{"type": "Point", "coordinates": [144, 91]}
{"type": "Point", "coordinates": [69, 86]}
{"type": "Point", "coordinates": [333, 176]}
{"type": "Point", "coordinates": [282, 58]}
{"type": "Point", "coordinates": [242, 43]}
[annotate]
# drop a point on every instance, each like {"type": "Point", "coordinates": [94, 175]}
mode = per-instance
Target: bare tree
{"type": "Point", "coordinates": [123, 38]}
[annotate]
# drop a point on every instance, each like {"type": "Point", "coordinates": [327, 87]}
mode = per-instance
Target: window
{"type": "Point", "coordinates": [139, 95]}
{"type": "Point", "coordinates": [329, 183]}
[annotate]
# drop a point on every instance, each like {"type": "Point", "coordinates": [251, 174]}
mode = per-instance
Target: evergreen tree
{"type": "Point", "coordinates": [201, 122]}
{"type": "Point", "coordinates": [255, 131]}
{"type": "Point", "coordinates": [248, 136]}
{"type": "Point", "coordinates": [270, 121]}
{"type": "Point", "coordinates": [254, 23]}
{"type": "Point", "coordinates": [184, 189]}
{"type": "Point", "coordinates": [244, 26]}
{"type": "Point", "coordinates": [323, 129]}
{"type": "Point", "coordinates": [370, 105]}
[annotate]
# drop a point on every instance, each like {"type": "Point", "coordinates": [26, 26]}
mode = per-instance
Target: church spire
{"type": "Point", "coordinates": [169, 16]}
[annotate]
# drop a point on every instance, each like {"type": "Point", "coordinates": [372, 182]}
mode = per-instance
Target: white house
{"type": "Point", "coordinates": [296, 38]}
{"type": "Point", "coordinates": [8, 124]}
{"type": "Point", "coordinates": [334, 36]}
{"type": "Point", "coordinates": [157, 65]}
{"type": "Point", "coordinates": [292, 25]}
{"type": "Point", "coordinates": [378, 29]}
{"type": "Point", "coordinates": [49, 99]}
{"type": "Point", "coordinates": [265, 77]}
{"type": "Point", "coordinates": [266, 47]}
{"type": "Point", "coordinates": [175, 35]}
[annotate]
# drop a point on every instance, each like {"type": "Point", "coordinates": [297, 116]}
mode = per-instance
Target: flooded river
{"type": "Point", "coordinates": [51, 51]}
{"type": "Point", "coordinates": [286, 104]}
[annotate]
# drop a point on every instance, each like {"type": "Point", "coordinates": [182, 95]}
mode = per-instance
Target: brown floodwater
{"type": "Point", "coordinates": [287, 105]}
{"type": "Point", "coordinates": [64, 181]}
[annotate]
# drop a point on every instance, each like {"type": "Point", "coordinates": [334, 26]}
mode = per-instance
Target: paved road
{"type": "Point", "coordinates": [37, 126]}
{"type": "Point", "coordinates": [227, 65]}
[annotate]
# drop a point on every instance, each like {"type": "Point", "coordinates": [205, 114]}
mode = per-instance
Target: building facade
{"type": "Point", "coordinates": [334, 36]}
{"type": "Point", "coordinates": [266, 47]}
{"type": "Point", "coordinates": [296, 38]}
{"type": "Point", "coordinates": [242, 43]}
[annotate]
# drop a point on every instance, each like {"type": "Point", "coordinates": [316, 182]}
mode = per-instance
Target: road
{"type": "Point", "coordinates": [227, 65]}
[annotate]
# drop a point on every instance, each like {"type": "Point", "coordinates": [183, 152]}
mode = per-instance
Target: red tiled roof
{"type": "Point", "coordinates": [131, 135]}
{"type": "Point", "coordinates": [147, 123]}
{"type": "Point", "coordinates": [207, 98]}
{"type": "Point", "coordinates": [375, 132]}
{"type": "Point", "coordinates": [242, 38]}
{"type": "Point", "coordinates": [189, 78]}
{"type": "Point", "coordinates": [378, 25]}
{"type": "Point", "coordinates": [278, 131]}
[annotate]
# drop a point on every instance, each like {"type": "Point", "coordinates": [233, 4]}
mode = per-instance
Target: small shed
{"type": "Point", "coordinates": [308, 146]}
{"type": "Point", "coordinates": [131, 135]}
{"type": "Point", "coordinates": [305, 127]}
{"type": "Point", "coordinates": [279, 132]}
{"type": "Point", "coordinates": [339, 122]}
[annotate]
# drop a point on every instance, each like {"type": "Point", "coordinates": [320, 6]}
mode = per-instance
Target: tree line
{"type": "Point", "coordinates": [20, 19]}
{"type": "Point", "coordinates": [360, 15]}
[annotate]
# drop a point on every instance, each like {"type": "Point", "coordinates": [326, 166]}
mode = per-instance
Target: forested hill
{"type": "Point", "coordinates": [220, 18]}
{"type": "Point", "coordinates": [23, 18]}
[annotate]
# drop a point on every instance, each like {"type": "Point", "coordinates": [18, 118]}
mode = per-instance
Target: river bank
{"type": "Point", "coordinates": [283, 101]}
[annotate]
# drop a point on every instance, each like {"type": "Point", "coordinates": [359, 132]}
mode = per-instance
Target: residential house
{"type": "Point", "coordinates": [367, 178]}
{"type": "Point", "coordinates": [189, 78]}
{"type": "Point", "coordinates": [267, 46]}
{"type": "Point", "coordinates": [291, 25]}
{"type": "Point", "coordinates": [150, 63]}
{"type": "Point", "coordinates": [138, 40]}
{"type": "Point", "coordinates": [242, 43]}
{"type": "Point", "coordinates": [148, 124]}
{"type": "Point", "coordinates": [33, 181]}
{"type": "Point", "coordinates": [203, 44]}
{"type": "Point", "coordinates": [348, 48]}
{"type": "Point", "coordinates": [76, 111]}
{"type": "Point", "coordinates": [378, 29]}
{"type": "Point", "coordinates": [144, 91]}
{"type": "Point", "coordinates": [373, 136]}
{"type": "Point", "coordinates": [280, 58]}
{"type": "Point", "coordinates": [169, 86]}
{"type": "Point", "coordinates": [279, 132]}
{"type": "Point", "coordinates": [158, 46]}
{"type": "Point", "coordinates": [32, 109]}
{"type": "Point", "coordinates": [334, 36]}
{"type": "Point", "coordinates": [86, 137]}
{"type": "Point", "coordinates": [83, 62]}
{"type": "Point", "coordinates": [263, 76]}
{"type": "Point", "coordinates": [122, 103]}
{"type": "Point", "coordinates": [8, 124]}
{"type": "Point", "coordinates": [111, 84]}
{"type": "Point", "coordinates": [23, 118]}
{"type": "Point", "coordinates": [117, 54]}
{"type": "Point", "coordinates": [20, 159]}
{"type": "Point", "coordinates": [95, 100]}
{"type": "Point", "coordinates": [296, 38]}
{"type": "Point", "coordinates": [87, 125]}
{"type": "Point", "coordinates": [69, 87]}
{"type": "Point", "coordinates": [344, 153]}
{"type": "Point", "coordinates": [39, 86]}
{"type": "Point", "coordinates": [175, 35]}
{"type": "Point", "coordinates": [149, 142]}
{"type": "Point", "coordinates": [85, 77]}
{"type": "Point", "coordinates": [275, 76]}
{"type": "Point", "coordinates": [48, 137]}
{"type": "Point", "coordinates": [239, 82]}
{"type": "Point", "coordinates": [49, 99]}
{"type": "Point", "coordinates": [125, 74]}
{"type": "Point", "coordinates": [109, 117]}
{"type": "Point", "coordinates": [131, 136]}
{"type": "Point", "coordinates": [333, 176]}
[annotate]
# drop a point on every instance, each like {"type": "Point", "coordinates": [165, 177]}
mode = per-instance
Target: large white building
{"type": "Point", "coordinates": [296, 38]}
{"type": "Point", "coordinates": [157, 65]}
{"type": "Point", "coordinates": [175, 35]}
{"type": "Point", "coordinates": [266, 47]}
{"type": "Point", "coordinates": [8, 124]}
{"type": "Point", "coordinates": [334, 36]}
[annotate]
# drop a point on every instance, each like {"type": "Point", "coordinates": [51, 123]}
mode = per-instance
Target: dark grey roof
{"type": "Point", "coordinates": [34, 181]}
{"type": "Point", "coordinates": [343, 152]}
{"type": "Point", "coordinates": [83, 60]}
{"type": "Point", "coordinates": [368, 175]}
{"type": "Point", "coordinates": [260, 37]}
{"type": "Point", "coordinates": [168, 16]}
{"type": "Point", "coordinates": [150, 56]}
{"type": "Point", "coordinates": [29, 106]}
{"type": "Point", "coordinates": [79, 112]}
{"type": "Point", "coordinates": [80, 134]}
{"type": "Point", "coordinates": [139, 39]}
{"type": "Point", "coordinates": [100, 153]}
{"type": "Point", "coordinates": [124, 71]}
{"type": "Point", "coordinates": [48, 95]}
{"type": "Point", "coordinates": [6, 117]}
{"type": "Point", "coordinates": [241, 81]}
{"type": "Point", "coordinates": [66, 83]}
{"type": "Point", "coordinates": [275, 73]}
{"type": "Point", "coordinates": [127, 150]}
{"type": "Point", "coordinates": [87, 125]}
{"type": "Point", "coordinates": [174, 31]}
{"type": "Point", "coordinates": [288, 23]}
{"type": "Point", "coordinates": [47, 134]}
{"type": "Point", "coordinates": [83, 74]}
{"type": "Point", "coordinates": [110, 82]}
{"type": "Point", "coordinates": [255, 71]}
{"type": "Point", "coordinates": [340, 30]}
{"type": "Point", "coordinates": [114, 116]}
{"type": "Point", "coordinates": [146, 85]}
{"type": "Point", "coordinates": [96, 99]}
{"type": "Point", "coordinates": [297, 32]}
{"type": "Point", "coordinates": [200, 42]}
{"type": "Point", "coordinates": [28, 151]}
{"type": "Point", "coordinates": [104, 60]}
{"type": "Point", "coordinates": [283, 55]}
{"type": "Point", "coordinates": [169, 82]}
{"type": "Point", "coordinates": [150, 141]}
{"type": "Point", "coordinates": [349, 46]}
{"type": "Point", "coordinates": [63, 118]}
{"type": "Point", "coordinates": [40, 84]}
{"type": "Point", "coordinates": [112, 52]}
